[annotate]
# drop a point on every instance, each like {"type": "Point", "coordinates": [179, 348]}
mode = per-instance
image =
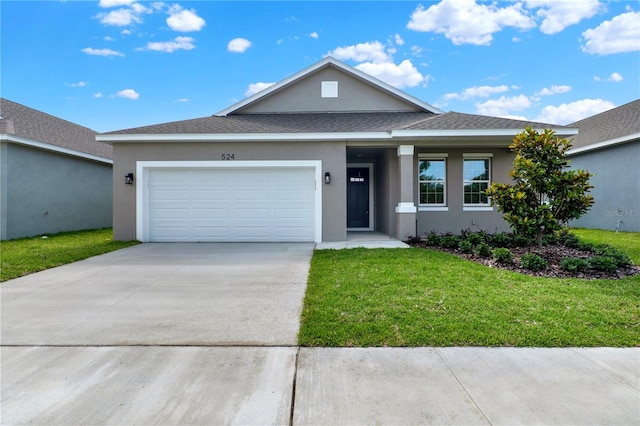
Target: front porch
{"type": "Point", "coordinates": [365, 240]}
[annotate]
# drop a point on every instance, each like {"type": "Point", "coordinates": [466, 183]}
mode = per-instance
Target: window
{"type": "Point", "coordinates": [433, 179]}
{"type": "Point", "coordinates": [476, 175]}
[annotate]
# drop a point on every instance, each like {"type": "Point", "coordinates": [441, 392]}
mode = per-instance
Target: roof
{"type": "Point", "coordinates": [329, 62]}
{"type": "Point", "coordinates": [614, 126]}
{"type": "Point", "coordinates": [22, 124]}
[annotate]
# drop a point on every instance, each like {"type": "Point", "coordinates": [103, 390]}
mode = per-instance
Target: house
{"type": "Point", "coordinates": [608, 146]}
{"type": "Point", "coordinates": [54, 176]}
{"type": "Point", "coordinates": [323, 152]}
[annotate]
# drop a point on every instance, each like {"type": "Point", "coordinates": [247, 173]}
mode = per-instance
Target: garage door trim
{"type": "Point", "coordinates": [142, 177]}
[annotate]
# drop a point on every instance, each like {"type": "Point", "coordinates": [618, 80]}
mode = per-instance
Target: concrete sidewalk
{"type": "Point", "coordinates": [182, 334]}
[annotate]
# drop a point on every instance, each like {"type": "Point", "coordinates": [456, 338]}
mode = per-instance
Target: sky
{"type": "Point", "coordinates": [116, 64]}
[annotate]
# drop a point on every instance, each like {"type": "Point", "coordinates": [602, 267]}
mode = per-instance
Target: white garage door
{"type": "Point", "coordinates": [228, 204]}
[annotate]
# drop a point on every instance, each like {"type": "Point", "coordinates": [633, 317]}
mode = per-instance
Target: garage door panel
{"type": "Point", "coordinates": [262, 204]}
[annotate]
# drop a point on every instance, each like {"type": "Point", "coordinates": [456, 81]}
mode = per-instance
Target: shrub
{"type": "Point", "coordinates": [568, 239]}
{"type": "Point", "coordinates": [476, 238]}
{"type": "Point", "coordinates": [522, 241]}
{"type": "Point", "coordinates": [533, 262]}
{"type": "Point", "coordinates": [450, 241]}
{"type": "Point", "coordinates": [586, 246]}
{"type": "Point", "coordinates": [433, 239]}
{"type": "Point", "coordinates": [603, 263]}
{"type": "Point", "coordinates": [413, 239]}
{"type": "Point", "coordinates": [500, 240]}
{"type": "Point", "coordinates": [503, 255]}
{"type": "Point", "coordinates": [550, 239]}
{"type": "Point", "coordinates": [622, 259]}
{"type": "Point", "coordinates": [465, 246]}
{"type": "Point", "coordinates": [483, 250]}
{"type": "Point", "coordinates": [573, 264]}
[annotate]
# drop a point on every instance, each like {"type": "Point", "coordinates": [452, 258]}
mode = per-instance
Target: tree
{"type": "Point", "coordinates": [544, 195]}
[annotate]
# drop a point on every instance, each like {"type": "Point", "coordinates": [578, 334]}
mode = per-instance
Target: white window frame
{"type": "Point", "coordinates": [435, 206]}
{"type": "Point", "coordinates": [477, 156]}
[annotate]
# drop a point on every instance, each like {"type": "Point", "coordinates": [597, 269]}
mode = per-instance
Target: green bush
{"type": "Point", "coordinates": [483, 250]}
{"type": "Point", "coordinates": [574, 264]}
{"type": "Point", "coordinates": [568, 239]}
{"type": "Point", "coordinates": [603, 263]}
{"type": "Point", "coordinates": [476, 238]}
{"type": "Point", "coordinates": [503, 255]}
{"type": "Point", "coordinates": [550, 239]}
{"type": "Point", "coordinates": [622, 259]}
{"type": "Point", "coordinates": [413, 239]}
{"type": "Point", "coordinates": [465, 246]}
{"type": "Point", "coordinates": [533, 262]}
{"type": "Point", "coordinates": [500, 240]}
{"type": "Point", "coordinates": [450, 241]}
{"type": "Point", "coordinates": [522, 241]}
{"type": "Point", "coordinates": [586, 246]}
{"type": "Point", "coordinates": [433, 239]}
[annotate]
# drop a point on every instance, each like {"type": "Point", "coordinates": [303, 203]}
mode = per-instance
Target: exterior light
{"type": "Point", "coordinates": [327, 177]}
{"type": "Point", "coordinates": [128, 178]}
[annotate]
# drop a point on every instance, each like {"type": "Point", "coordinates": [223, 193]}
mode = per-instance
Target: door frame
{"type": "Point", "coordinates": [142, 180]}
{"type": "Point", "coordinates": [371, 195]}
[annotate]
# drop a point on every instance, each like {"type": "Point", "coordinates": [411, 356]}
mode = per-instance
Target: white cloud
{"type": "Point", "coordinates": [101, 52]}
{"type": "Point", "coordinates": [78, 84]}
{"type": "Point", "coordinates": [416, 51]}
{"type": "Point", "coordinates": [553, 90]}
{"type": "Point", "coordinates": [179, 43]}
{"type": "Point", "coordinates": [97, 95]}
{"type": "Point", "coordinates": [361, 52]}
{"type": "Point", "coordinates": [120, 18]}
{"type": "Point", "coordinates": [616, 77]}
{"type": "Point", "coordinates": [125, 32]}
{"type": "Point", "coordinates": [399, 76]}
{"type": "Point", "coordinates": [620, 34]}
{"type": "Point", "coordinates": [238, 45]}
{"type": "Point", "coordinates": [314, 35]}
{"type": "Point", "coordinates": [399, 40]}
{"type": "Point", "coordinates": [114, 3]}
{"type": "Point", "coordinates": [257, 87]}
{"type": "Point", "coordinates": [183, 20]}
{"type": "Point", "coordinates": [574, 111]}
{"type": "Point", "coordinates": [477, 92]}
{"type": "Point", "coordinates": [109, 38]}
{"type": "Point", "coordinates": [127, 94]}
{"type": "Point", "coordinates": [182, 100]}
{"type": "Point", "coordinates": [558, 14]}
{"type": "Point", "coordinates": [503, 106]}
{"type": "Point", "coordinates": [466, 22]}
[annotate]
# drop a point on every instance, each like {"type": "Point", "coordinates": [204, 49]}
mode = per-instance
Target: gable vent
{"type": "Point", "coordinates": [329, 89]}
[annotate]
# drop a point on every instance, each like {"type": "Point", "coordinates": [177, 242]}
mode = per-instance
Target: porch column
{"type": "Point", "coordinates": [406, 209]}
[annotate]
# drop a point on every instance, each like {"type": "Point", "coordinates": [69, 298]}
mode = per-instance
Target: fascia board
{"type": "Point", "coordinates": [53, 148]}
{"type": "Point", "coordinates": [471, 132]}
{"type": "Point", "coordinates": [604, 144]}
{"type": "Point", "coordinates": [243, 137]}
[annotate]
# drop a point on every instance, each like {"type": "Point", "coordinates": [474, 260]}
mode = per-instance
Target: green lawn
{"type": "Point", "coordinates": [27, 255]}
{"type": "Point", "coordinates": [418, 297]}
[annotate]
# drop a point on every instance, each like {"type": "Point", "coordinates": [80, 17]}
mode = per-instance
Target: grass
{"type": "Point", "coordinates": [418, 297]}
{"type": "Point", "coordinates": [27, 255]}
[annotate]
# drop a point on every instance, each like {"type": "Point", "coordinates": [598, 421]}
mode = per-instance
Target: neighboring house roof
{"type": "Point", "coordinates": [612, 127]}
{"type": "Point", "coordinates": [27, 126]}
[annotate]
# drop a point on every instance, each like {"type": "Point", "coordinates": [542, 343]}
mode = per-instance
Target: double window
{"type": "Point", "coordinates": [476, 178]}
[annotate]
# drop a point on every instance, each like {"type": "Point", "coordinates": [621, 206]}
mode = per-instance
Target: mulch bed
{"type": "Point", "coordinates": [553, 254]}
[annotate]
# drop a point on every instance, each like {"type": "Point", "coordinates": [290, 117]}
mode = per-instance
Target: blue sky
{"type": "Point", "coordinates": [115, 64]}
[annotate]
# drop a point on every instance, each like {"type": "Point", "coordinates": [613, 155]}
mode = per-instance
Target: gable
{"type": "Point", "coordinates": [327, 87]}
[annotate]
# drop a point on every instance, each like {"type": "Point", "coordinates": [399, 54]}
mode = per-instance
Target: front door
{"type": "Point", "coordinates": [358, 198]}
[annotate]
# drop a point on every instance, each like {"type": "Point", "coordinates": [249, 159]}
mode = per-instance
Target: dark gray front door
{"type": "Point", "coordinates": [358, 197]}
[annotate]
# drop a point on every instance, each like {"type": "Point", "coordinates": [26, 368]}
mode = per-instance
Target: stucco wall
{"type": "Point", "coordinates": [616, 189]}
{"type": "Point", "coordinates": [332, 155]}
{"type": "Point", "coordinates": [44, 192]}
{"type": "Point", "coordinates": [456, 218]}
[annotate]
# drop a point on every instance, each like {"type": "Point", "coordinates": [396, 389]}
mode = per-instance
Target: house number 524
{"type": "Point", "coordinates": [228, 156]}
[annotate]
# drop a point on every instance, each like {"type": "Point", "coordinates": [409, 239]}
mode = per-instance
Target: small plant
{"type": "Point", "coordinates": [550, 239]}
{"type": "Point", "coordinates": [476, 238]}
{"type": "Point", "coordinates": [450, 241]}
{"type": "Point", "coordinates": [622, 259]}
{"type": "Point", "coordinates": [586, 246]}
{"type": "Point", "coordinates": [522, 241]}
{"type": "Point", "coordinates": [503, 255]}
{"type": "Point", "coordinates": [603, 263]}
{"type": "Point", "coordinates": [483, 250]}
{"type": "Point", "coordinates": [433, 239]}
{"type": "Point", "coordinates": [413, 240]}
{"type": "Point", "coordinates": [533, 262]}
{"type": "Point", "coordinates": [465, 246]}
{"type": "Point", "coordinates": [574, 264]}
{"type": "Point", "coordinates": [500, 240]}
{"type": "Point", "coordinates": [568, 239]}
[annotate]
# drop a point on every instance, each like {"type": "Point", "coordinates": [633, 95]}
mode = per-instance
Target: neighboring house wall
{"type": "Point", "coordinates": [44, 192]}
{"type": "Point", "coordinates": [616, 189]}
{"type": "Point", "coordinates": [332, 155]}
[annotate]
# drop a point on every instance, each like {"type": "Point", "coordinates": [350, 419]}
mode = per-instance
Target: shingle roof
{"type": "Point", "coordinates": [612, 124]}
{"type": "Point", "coordinates": [330, 122]}
{"type": "Point", "coordinates": [24, 122]}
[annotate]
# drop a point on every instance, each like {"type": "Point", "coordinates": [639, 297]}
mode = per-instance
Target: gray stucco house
{"type": "Point", "coordinates": [608, 146]}
{"type": "Point", "coordinates": [328, 150]}
{"type": "Point", "coordinates": [54, 176]}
